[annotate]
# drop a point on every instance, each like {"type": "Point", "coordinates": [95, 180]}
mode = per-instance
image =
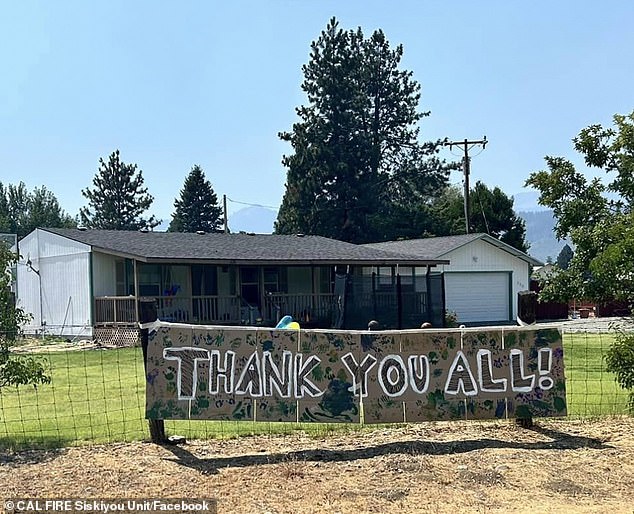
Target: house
{"type": "Point", "coordinates": [483, 277]}
{"type": "Point", "coordinates": [77, 281]}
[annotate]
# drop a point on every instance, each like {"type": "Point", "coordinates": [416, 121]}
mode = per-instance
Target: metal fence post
{"type": "Point", "coordinates": [147, 314]}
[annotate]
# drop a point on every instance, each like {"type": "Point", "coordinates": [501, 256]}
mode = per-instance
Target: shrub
{"type": "Point", "coordinates": [620, 361]}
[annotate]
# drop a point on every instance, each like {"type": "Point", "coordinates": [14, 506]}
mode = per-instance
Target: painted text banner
{"type": "Point", "coordinates": [258, 374]}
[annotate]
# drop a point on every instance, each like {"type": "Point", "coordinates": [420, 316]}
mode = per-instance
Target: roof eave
{"type": "Point", "coordinates": [297, 262]}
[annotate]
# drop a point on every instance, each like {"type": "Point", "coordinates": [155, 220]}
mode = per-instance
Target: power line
{"type": "Point", "coordinates": [252, 204]}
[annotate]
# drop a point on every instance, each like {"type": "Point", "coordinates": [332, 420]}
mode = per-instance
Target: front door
{"type": "Point", "coordinates": [250, 286]}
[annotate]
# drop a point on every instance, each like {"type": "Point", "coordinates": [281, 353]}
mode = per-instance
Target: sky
{"type": "Point", "coordinates": [173, 84]}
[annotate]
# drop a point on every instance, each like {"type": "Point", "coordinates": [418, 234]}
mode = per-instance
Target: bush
{"type": "Point", "coordinates": [14, 370]}
{"type": "Point", "coordinates": [451, 319]}
{"type": "Point", "coordinates": [620, 361]}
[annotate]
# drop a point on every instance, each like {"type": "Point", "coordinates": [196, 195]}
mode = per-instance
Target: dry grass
{"type": "Point", "coordinates": [560, 466]}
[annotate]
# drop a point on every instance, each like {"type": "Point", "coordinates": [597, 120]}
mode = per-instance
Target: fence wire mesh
{"type": "Point", "coordinates": [97, 395]}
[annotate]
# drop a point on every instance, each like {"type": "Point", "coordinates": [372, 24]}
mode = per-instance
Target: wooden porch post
{"type": "Point", "coordinates": [399, 300]}
{"type": "Point", "coordinates": [429, 304]}
{"type": "Point", "coordinates": [136, 291]}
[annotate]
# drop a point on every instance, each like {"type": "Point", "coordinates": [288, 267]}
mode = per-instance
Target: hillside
{"type": "Point", "coordinates": [540, 235]}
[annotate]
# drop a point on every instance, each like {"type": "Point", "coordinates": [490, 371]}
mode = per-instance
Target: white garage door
{"type": "Point", "coordinates": [478, 297]}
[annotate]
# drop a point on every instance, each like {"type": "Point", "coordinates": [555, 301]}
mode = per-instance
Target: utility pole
{"type": "Point", "coordinates": [466, 145]}
{"type": "Point", "coordinates": [224, 210]}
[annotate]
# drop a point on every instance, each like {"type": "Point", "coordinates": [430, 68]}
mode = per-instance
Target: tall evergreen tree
{"type": "Point", "coordinates": [357, 167]}
{"type": "Point", "coordinates": [564, 257]}
{"type": "Point", "coordinates": [491, 211]}
{"type": "Point", "coordinates": [197, 208]}
{"type": "Point", "coordinates": [118, 199]}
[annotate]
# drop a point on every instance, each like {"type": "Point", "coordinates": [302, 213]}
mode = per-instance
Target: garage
{"type": "Point", "coordinates": [478, 297]}
{"type": "Point", "coordinates": [483, 277]}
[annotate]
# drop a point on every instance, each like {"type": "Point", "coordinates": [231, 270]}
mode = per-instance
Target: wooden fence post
{"type": "Point", "coordinates": [399, 302]}
{"type": "Point", "coordinates": [147, 314]}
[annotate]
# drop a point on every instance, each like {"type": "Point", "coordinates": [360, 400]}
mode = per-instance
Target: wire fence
{"type": "Point", "coordinates": [97, 395]}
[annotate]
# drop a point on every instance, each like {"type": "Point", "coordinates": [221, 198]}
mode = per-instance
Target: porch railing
{"type": "Point", "coordinates": [314, 309]}
{"type": "Point", "coordinates": [115, 310]}
{"type": "Point", "coordinates": [121, 310]}
{"type": "Point", "coordinates": [199, 309]}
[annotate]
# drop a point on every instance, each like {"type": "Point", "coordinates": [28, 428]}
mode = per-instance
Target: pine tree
{"type": "Point", "coordinates": [118, 199]}
{"type": "Point", "coordinates": [564, 257]}
{"type": "Point", "coordinates": [197, 208]}
{"type": "Point", "coordinates": [357, 167]}
{"type": "Point", "coordinates": [491, 211]}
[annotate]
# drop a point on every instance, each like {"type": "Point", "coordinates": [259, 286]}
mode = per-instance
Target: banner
{"type": "Point", "coordinates": [256, 374]}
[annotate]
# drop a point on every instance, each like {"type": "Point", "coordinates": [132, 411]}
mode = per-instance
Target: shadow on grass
{"type": "Point", "coordinates": [560, 441]}
{"type": "Point", "coordinates": [32, 450]}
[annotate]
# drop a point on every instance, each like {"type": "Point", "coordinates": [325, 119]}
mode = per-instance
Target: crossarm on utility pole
{"type": "Point", "coordinates": [466, 169]}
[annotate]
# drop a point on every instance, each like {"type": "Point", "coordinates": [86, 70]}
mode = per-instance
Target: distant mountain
{"type": "Point", "coordinates": [527, 201]}
{"type": "Point", "coordinates": [258, 220]}
{"type": "Point", "coordinates": [540, 234]}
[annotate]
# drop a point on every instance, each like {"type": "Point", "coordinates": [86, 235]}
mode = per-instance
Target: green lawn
{"type": "Point", "coordinates": [590, 390]}
{"type": "Point", "coordinates": [99, 396]}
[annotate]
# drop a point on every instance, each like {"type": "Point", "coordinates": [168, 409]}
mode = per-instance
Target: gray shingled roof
{"type": "Point", "coordinates": [236, 248]}
{"type": "Point", "coordinates": [439, 247]}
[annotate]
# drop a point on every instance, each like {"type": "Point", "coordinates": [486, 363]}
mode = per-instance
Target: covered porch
{"type": "Point", "coordinates": [219, 294]}
{"type": "Point", "coordinates": [315, 296]}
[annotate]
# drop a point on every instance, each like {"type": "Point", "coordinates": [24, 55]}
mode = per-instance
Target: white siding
{"type": "Point", "coordinates": [479, 256]}
{"type": "Point", "coordinates": [28, 284]}
{"type": "Point", "coordinates": [59, 297]}
{"type": "Point", "coordinates": [103, 273]}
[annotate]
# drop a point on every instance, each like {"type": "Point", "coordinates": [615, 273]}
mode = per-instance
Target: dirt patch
{"type": "Point", "coordinates": [557, 467]}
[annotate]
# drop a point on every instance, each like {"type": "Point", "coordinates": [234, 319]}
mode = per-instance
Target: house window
{"type": "Point", "coordinates": [250, 285]}
{"type": "Point", "coordinates": [326, 279]}
{"type": "Point", "coordinates": [149, 279]}
{"type": "Point", "coordinates": [119, 273]}
{"type": "Point", "coordinates": [275, 280]}
{"type": "Point", "coordinates": [124, 277]}
{"type": "Point", "coordinates": [271, 280]}
{"type": "Point", "coordinates": [385, 276]}
{"type": "Point", "coordinates": [407, 278]}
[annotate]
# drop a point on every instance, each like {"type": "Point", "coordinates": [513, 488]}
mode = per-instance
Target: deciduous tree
{"type": "Point", "coordinates": [14, 370]}
{"type": "Point", "coordinates": [596, 215]}
{"type": "Point", "coordinates": [22, 211]}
